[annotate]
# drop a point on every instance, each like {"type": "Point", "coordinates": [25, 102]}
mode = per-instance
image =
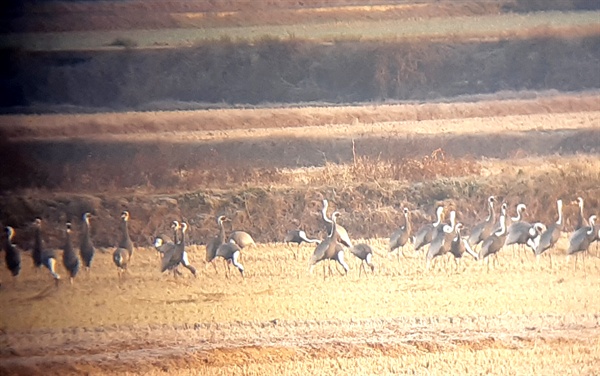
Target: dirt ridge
{"type": "Point", "coordinates": [124, 346]}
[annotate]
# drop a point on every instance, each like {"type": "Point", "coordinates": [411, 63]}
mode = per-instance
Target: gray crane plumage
{"type": "Point", "coordinates": [426, 233]}
{"type": "Point", "coordinates": [86, 245]}
{"type": "Point", "coordinates": [441, 243]}
{"type": "Point", "coordinates": [70, 259]}
{"type": "Point", "coordinates": [12, 255]}
{"type": "Point", "coordinates": [177, 255]}
{"type": "Point", "coordinates": [483, 229]}
{"type": "Point", "coordinates": [342, 234]}
{"type": "Point", "coordinates": [460, 245]}
{"type": "Point", "coordinates": [231, 252]}
{"type": "Point", "coordinates": [400, 237]}
{"type": "Point", "coordinates": [41, 256]}
{"type": "Point", "coordinates": [364, 253]}
{"type": "Point", "coordinates": [580, 240]}
{"type": "Point", "coordinates": [242, 239]}
{"type": "Point", "coordinates": [494, 243]}
{"type": "Point", "coordinates": [328, 249]}
{"type": "Point", "coordinates": [552, 233]}
{"type": "Point", "coordinates": [124, 252]}
{"type": "Point", "coordinates": [213, 245]}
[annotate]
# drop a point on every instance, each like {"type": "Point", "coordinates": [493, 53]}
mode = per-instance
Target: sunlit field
{"type": "Point", "coordinates": [436, 320]}
{"type": "Point", "coordinates": [192, 110]}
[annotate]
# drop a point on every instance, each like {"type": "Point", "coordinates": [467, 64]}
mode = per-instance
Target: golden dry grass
{"type": "Point", "coordinates": [485, 314]}
{"type": "Point", "coordinates": [227, 123]}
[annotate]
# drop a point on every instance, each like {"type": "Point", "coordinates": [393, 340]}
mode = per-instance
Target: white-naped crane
{"type": "Point", "coordinates": [342, 234]}
{"type": "Point", "coordinates": [536, 234]}
{"type": "Point", "coordinates": [581, 222]}
{"type": "Point", "coordinates": [177, 255]}
{"type": "Point", "coordinates": [70, 259]}
{"type": "Point", "coordinates": [484, 229]}
{"type": "Point", "coordinates": [520, 210]}
{"type": "Point", "coordinates": [328, 249]}
{"type": "Point", "coordinates": [504, 212]}
{"type": "Point", "coordinates": [214, 243]}
{"type": "Point", "coordinates": [441, 243]}
{"type": "Point", "coordinates": [86, 245]}
{"type": "Point", "coordinates": [519, 232]}
{"type": "Point", "coordinates": [460, 246]}
{"type": "Point", "coordinates": [400, 237]}
{"type": "Point", "coordinates": [124, 252]}
{"type": "Point", "coordinates": [242, 239]}
{"type": "Point", "coordinates": [525, 234]}
{"type": "Point", "coordinates": [533, 241]}
{"type": "Point", "coordinates": [12, 255]}
{"type": "Point", "coordinates": [426, 233]}
{"type": "Point", "coordinates": [298, 237]}
{"type": "Point", "coordinates": [364, 253]}
{"type": "Point", "coordinates": [494, 243]}
{"type": "Point", "coordinates": [163, 243]}
{"type": "Point", "coordinates": [231, 253]}
{"type": "Point", "coordinates": [580, 240]}
{"type": "Point", "coordinates": [552, 233]}
{"type": "Point", "coordinates": [42, 256]}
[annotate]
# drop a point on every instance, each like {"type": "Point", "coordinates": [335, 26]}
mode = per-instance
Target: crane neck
{"type": "Point", "coordinates": [38, 239]}
{"type": "Point", "coordinates": [333, 227]}
{"type": "Point", "coordinates": [491, 211]}
{"type": "Point", "coordinates": [125, 229]}
{"type": "Point", "coordinates": [450, 229]}
{"type": "Point", "coordinates": [592, 222]}
{"type": "Point", "coordinates": [324, 212]}
{"type": "Point", "coordinates": [520, 210]}
{"type": "Point", "coordinates": [438, 217]}
{"type": "Point", "coordinates": [406, 222]}
{"type": "Point", "coordinates": [183, 229]}
{"type": "Point", "coordinates": [68, 244]}
{"type": "Point", "coordinates": [560, 214]}
{"type": "Point", "coordinates": [502, 230]}
{"type": "Point", "coordinates": [222, 232]}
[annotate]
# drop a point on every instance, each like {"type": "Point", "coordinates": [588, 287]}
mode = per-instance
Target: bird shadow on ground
{"type": "Point", "coordinates": [47, 292]}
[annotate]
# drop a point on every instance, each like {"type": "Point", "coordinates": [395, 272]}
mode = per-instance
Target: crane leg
{"type": "Point", "coordinates": [294, 253]}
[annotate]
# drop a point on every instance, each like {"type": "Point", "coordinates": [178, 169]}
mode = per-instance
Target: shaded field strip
{"type": "Point", "coordinates": [281, 152]}
{"type": "Point", "coordinates": [125, 347]}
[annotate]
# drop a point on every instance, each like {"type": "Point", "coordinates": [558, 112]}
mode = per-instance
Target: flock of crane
{"type": "Point", "coordinates": [443, 238]}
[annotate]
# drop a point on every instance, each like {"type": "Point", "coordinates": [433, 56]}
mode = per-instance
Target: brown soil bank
{"type": "Point", "coordinates": [273, 71]}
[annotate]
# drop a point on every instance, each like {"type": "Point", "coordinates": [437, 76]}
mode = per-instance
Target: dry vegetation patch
{"type": "Point", "coordinates": [220, 122]}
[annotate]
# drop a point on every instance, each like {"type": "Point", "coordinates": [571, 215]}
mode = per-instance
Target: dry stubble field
{"type": "Point", "coordinates": [519, 318]}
